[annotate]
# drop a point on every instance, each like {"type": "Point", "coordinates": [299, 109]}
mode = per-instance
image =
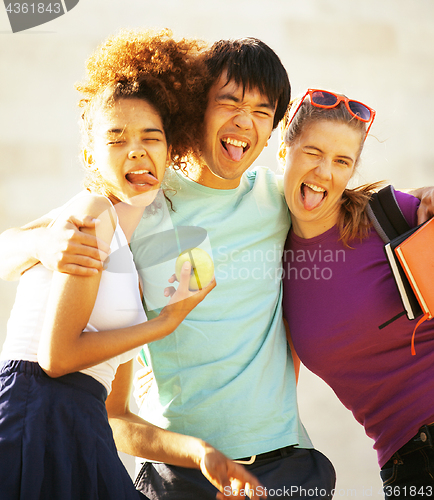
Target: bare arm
{"type": "Point", "coordinates": [61, 247]}
{"type": "Point", "coordinates": [64, 347]}
{"type": "Point", "coordinates": [18, 248]}
{"type": "Point", "coordinates": [137, 437]}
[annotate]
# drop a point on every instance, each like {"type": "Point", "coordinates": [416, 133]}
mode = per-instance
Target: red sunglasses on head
{"type": "Point", "coordinates": [327, 100]}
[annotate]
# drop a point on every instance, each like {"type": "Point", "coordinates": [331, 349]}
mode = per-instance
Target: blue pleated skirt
{"type": "Point", "coordinates": [55, 439]}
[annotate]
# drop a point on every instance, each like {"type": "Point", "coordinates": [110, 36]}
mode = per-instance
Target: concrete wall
{"type": "Point", "coordinates": [381, 53]}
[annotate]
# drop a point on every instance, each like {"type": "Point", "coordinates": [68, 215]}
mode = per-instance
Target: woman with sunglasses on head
{"type": "Point", "coordinates": [338, 289]}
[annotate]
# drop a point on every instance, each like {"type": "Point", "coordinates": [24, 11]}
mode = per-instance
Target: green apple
{"type": "Point", "coordinates": [202, 271]}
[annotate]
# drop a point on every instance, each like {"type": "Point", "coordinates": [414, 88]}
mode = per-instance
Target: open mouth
{"type": "Point", "coordinates": [235, 149]}
{"type": "Point", "coordinates": [312, 195]}
{"type": "Point", "coordinates": [141, 178]}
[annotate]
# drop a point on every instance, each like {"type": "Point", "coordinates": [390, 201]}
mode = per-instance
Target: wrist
{"type": "Point", "coordinates": [162, 326]}
{"type": "Point", "coordinates": [169, 320]}
{"type": "Point", "coordinates": [200, 450]}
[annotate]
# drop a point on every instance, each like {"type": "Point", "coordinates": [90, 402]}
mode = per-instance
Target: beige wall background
{"type": "Point", "coordinates": [381, 53]}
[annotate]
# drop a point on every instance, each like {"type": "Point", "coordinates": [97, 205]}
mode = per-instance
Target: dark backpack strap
{"type": "Point", "coordinates": [386, 215]}
{"type": "Point", "coordinates": [389, 222]}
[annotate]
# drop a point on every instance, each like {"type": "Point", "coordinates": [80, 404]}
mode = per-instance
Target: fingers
{"type": "Point", "coordinates": [184, 280]}
{"type": "Point", "coordinates": [85, 255]}
{"type": "Point", "coordinates": [142, 383]}
{"type": "Point", "coordinates": [75, 259]}
{"type": "Point", "coordinates": [424, 213]}
{"type": "Point", "coordinates": [87, 221]}
{"type": "Point", "coordinates": [231, 479]}
{"type": "Point", "coordinates": [79, 270]}
{"type": "Point", "coordinates": [84, 238]}
{"type": "Point", "coordinates": [182, 292]}
{"type": "Point", "coordinates": [89, 245]}
{"type": "Point", "coordinates": [206, 289]}
{"type": "Point", "coordinates": [198, 295]}
{"type": "Point", "coordinates": [190, 298]}
{"type": "Point", "coordinates": [144, 374]}
{"type": "Point", "coordinates": [65, 248]}
{"type": "Point", "coordinates": [426, 207]}
{"type": "Point", "coordinates": [243, 481]}
{"type": "Point", "coordinates": [169, 291]}
{"type": "Point", "coordinates": [141, 361]}
{"type": "Point", "coordinates": [141, 391]}
{"type": "Point", "coordinates": [77, 249]}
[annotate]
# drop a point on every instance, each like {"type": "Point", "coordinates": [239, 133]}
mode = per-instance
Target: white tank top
{"type": "Point", "coordinates": [117, 305]}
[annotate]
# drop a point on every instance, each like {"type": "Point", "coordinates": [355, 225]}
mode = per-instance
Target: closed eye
{"type": "Point", "coordinates": [264, 114]}
{"type": "Point", "coordinates": [228, 105]}
{"type": "Point", "coordinates": [311, 150]}
{"type": "Point", "coordinates": [152, 135]}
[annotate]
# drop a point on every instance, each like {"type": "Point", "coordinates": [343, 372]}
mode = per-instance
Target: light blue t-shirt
{"type": "Point", "coordinates": [225, 375]}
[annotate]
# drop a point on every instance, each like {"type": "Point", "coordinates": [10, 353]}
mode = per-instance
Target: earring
{"type": "Point", "coordinates": [90, 164]}
{"type": "Point", "coordinates": [282, 153]}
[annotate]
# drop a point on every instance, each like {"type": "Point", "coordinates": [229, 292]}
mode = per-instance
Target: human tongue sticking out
{"type": "Point", "coordinates": [235, 152]}
{"type": "Point", "coordinates": [311, 198]}
{"type": "Point", "coordinates": [141, 177]}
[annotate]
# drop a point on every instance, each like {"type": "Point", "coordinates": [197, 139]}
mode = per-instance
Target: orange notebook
{"type": "Point", "coordinates": [416, 255]}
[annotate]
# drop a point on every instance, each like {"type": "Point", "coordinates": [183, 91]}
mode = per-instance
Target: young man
{"type": "Point", "coordinates": [226, 375]}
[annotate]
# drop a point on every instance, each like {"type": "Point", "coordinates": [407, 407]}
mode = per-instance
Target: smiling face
{"type": "Point", "coordinates": [319, 164]}
{"type": "Point", "coordinates": [237, 127]}
{"type": "Point", "coordinates": [129, 150]}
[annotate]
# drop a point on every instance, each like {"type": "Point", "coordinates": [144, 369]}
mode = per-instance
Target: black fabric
{"type": "Point", "coordinates": [387, 214]}
{"type": "Point", "coordinates": [302, 474]}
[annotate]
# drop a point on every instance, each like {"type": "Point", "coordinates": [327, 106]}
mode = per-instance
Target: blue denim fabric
{"type": "Point", "coordinates": [410, 471]}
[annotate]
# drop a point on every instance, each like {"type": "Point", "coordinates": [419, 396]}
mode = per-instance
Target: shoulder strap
{"type": "Point", "coordinates": [386, 215]}
{"type": "Point", "coordinates": [389, 222]}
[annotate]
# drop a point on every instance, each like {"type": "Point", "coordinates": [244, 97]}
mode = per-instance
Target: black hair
{"type": "Point", "coordinates": [254, 65]}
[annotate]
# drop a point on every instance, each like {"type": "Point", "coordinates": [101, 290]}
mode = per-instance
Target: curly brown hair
{"type": "Point", "coordinates": [150, 65]}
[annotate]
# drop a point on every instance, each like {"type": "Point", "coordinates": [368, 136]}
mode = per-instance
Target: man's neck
{"type": "Point", "coordinates": [200, 173]}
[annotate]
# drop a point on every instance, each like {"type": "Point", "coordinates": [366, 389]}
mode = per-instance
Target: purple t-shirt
{"type": "Point", "coordinates": [335, 298]}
